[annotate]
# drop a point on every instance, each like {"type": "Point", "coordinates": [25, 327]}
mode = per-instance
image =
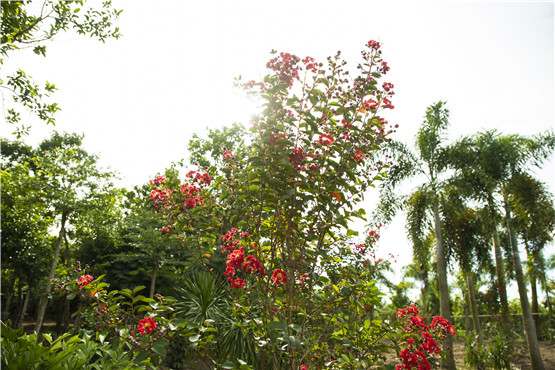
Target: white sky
{"type": "Point", "coordinates": [139, 99]}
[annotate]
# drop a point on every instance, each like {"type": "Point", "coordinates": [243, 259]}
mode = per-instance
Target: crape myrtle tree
{"type": "Point", "coordinates": [429, 162]}
{"type": "Point", "coordinates": [495, 159]}
{"type": "Point", "coordinates": [313, 153]}
{"type": "Point", "coordinates": [75, 189]}
{"type": "Point", "coordinates": [31, 25]}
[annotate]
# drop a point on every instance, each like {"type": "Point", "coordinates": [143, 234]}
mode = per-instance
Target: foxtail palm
{"type": "Point", "coordinates": [428, 162]}
{"type": "Point", "coordinates": [535, 223]}
{"type": "Point", "coordinates": [495, 159]}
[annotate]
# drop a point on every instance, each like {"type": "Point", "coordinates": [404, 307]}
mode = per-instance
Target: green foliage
{"type": "Point", "coordinates": [25, 25]}
{"type": "Point", "coordinates": [496, 353]}
{"type": "Point", "coordinates": [25, 351]}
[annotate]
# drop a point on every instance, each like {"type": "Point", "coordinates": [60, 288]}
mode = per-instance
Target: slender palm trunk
{"type": "Point", "coordinates": [48, 287]}
{"type": "Point", "coordinates": [424, 292]}
{"type": "Point", "coordinates": [547, 298]}
{"type": "Point", "coordinates": [474, 307]}
{"type": "Point", "coordinates": [529, 327]}
{"type": "Point", "coordinates": [502, 285]}
{"type": "Point", "coordinates": [449, 362]}
{"type": "Point", "coordinates": [500, 271]}
{"type": "Point", "coordinates": [535, 305]}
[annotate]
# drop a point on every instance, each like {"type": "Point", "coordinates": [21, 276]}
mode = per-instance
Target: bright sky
{"type": "Point", "coordinates": [139, 99]}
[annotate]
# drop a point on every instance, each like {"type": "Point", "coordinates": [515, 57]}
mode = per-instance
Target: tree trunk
{"type": "Point", "coordinates": [474, 307]}
{"type": "Point", "coordinates": [502, 285]}
{"type": "Point", "coordinates": [535, 304]}
{"type": "Point", "coordinates": [48, 287]}
{"type": "Point", "coordinates": [8, 302]}
{"type": "Point", "coordinates": [24, 309]}
{"type": "Point", "coordinates": [425, 292]}
{"type": "Point", "coordinates": [547, 298]}
{"type": "Point", "coordinates": [66, 312]}
{"type": "Point", "coordinates": [19, 307]}
{"type": "Point", "coordinates": [153, 281]}
{"type": "Point", "coordinates": [443, 285]}
{"type": "Point", "coordinates": [529, 327]}
{"type": "Point", "coordinates": [467, 323]}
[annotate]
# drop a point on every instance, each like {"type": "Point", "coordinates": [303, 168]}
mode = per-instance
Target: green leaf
{"type": "Point", "coordinates": [159, 349]}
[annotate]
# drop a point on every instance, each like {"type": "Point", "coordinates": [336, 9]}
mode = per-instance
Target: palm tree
{"type": "Point", "coordinates": [495, 159]}
{"type": "Point", "coordinates": [428, 161]}
{"type": "Point", "coordinates": [535, 223]}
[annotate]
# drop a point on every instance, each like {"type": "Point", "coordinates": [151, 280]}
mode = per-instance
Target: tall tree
{"type": "Point", "coordinates": [495, 159]}
{"type": "Point", "coordinates": [535, 223]}
{"type": "Point", "coordinates": [24, 222]}
{"type": "Point", "coordinates": [428, 161]}
{"type": "Point", "coordinates": [74, 187]}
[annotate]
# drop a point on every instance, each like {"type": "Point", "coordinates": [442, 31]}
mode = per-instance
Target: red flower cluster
{"type": "Point", "coordinates": [285, 64]}
{"type": "Point", "coordinates": [236, 258]}
{"type": "Point", "coordinates": [297, 157]}
{"type": "Point", "coordinates": [387, 86]}
{"type": "Point", "coordinates": [160, 194]}
{"type": "Point", "coordinates": [325, 139]}
{"type": "Point", "coordinates": [383, 68]}
{"type": "Point", "coordinates": [146, 325]}
{"type": "Point", "coordinates": [238, 283]}
{"type": "Point", "coordinates": [252, 265]}
{"type": "Point", "coordinates": [387, 104]}
{"type": "Point", "coordinates": [373, 236]}
{"type": "Point", "coordinates": [443, 325]}
{"type": "Point", "coordinates": [359, 156]}
{"type": "Point", "coordinates": [372, 105]}
{"type": "Point", "coordinates": [159, 180]}
{"type": "Point", "coordinates": [310, 64]}
{"type": "Point", "coordinates": [279, 277]}
{"type": "Point", "coordinates": [199, 180]}
{"type": "Point", "coordinates": [415, 356]}
{"type": "Point", "coordinates": [373, 44]}
{"type": "Point", "coordinates": [227, 155]}
{"type": "Point", "coordinates": [84, 280]}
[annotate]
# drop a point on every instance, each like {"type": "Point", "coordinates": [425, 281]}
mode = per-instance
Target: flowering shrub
{"type": "Point", "coordinates": [421, 339]}
{"type": "Point", "coordinates": [313, 155]}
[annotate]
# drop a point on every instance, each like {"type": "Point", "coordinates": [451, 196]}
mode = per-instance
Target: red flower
{"type": "Point", "coordinates": [238, 283]}
{"type": "Point", "coordinates": [236, 258]}
{"type": "Point", "coordinates": [326, 139]}
{"type": "Point", "coordinates": [190, 203]}
{"type": "Point", "coordinates": [84, 280]}
{"type": "Point", "coordinates": [279, 277]}
{"type": "Point", "coordinates": [252, 264]}
{"type": "Point", "coordinates": [227, 155]}
{"type": "Point", "coordinates": [146, 325]}
{"type": "Point", "coordinates": [374, 44]}
{"type": "Point", "coordinates": [159, 180]}
{"type": "Point", "coordinates": [303, 367]}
